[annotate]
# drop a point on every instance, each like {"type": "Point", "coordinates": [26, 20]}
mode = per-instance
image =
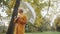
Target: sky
{"type": "Point", "coordinates": [3, 14]}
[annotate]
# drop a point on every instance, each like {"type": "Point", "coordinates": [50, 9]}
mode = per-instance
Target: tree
{"type": "Point", "coordinates": [11, 25]}
{"type": "Point", "coordinates": [57, 23]}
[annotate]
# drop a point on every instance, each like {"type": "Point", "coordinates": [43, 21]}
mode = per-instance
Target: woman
{"type": "Point", "coordinates": [20, 22]}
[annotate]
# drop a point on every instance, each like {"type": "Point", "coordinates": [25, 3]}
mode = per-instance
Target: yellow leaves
{"type": "Point", "coordinates": [57, 21]}
{"type": "Point", "coordinates": [37, 10]}
{"type": "Point", "coordinates": [8, 11]}
{"type": "Point", "coordinates": [11, 3]}
{"type": "Point", "coordinates": [48, 27]}
{"type": "Point", "coordinates": [38, 21]}
{"type": "Point", "coordinates": [26, 0]}
{"type": "Point", "coordinates": [36, 1]}
{"type": "Point", "coordinates": [33, 5]}
{"type": "Point", "coordinates": [10, 6]}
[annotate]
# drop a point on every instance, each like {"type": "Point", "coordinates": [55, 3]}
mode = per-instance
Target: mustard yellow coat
{"type": "Point", "coordinates": [20, 22]}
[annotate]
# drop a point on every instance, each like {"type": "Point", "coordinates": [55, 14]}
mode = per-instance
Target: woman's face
{"type": "Point", "coordinates": [20, 11]}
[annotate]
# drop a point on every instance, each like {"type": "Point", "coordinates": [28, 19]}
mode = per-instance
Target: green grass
{"type": "Point", "coordinates": [41, 33]}
{"type": "Point", "coordinates": [45, 33]}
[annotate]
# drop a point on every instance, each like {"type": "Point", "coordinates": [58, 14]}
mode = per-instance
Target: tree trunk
{"type": "Point", "coordinates": [15, 11]}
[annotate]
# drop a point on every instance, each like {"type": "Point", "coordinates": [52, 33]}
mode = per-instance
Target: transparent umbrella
{"type": "Point", "coordinates": [29, 11]}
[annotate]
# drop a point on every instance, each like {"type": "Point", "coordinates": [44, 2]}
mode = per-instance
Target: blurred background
{"type": "Point", "coordinates": [43, 15]}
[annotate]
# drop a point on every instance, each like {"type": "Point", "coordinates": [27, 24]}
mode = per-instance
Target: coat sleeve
{"type": "Point", "coordinates": [16, 19]}
{"type": "Point", "coordinates": [23, 20]}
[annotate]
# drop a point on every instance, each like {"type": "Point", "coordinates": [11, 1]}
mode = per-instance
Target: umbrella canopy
{"type": "Point", "coordinates": [29, 11]}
